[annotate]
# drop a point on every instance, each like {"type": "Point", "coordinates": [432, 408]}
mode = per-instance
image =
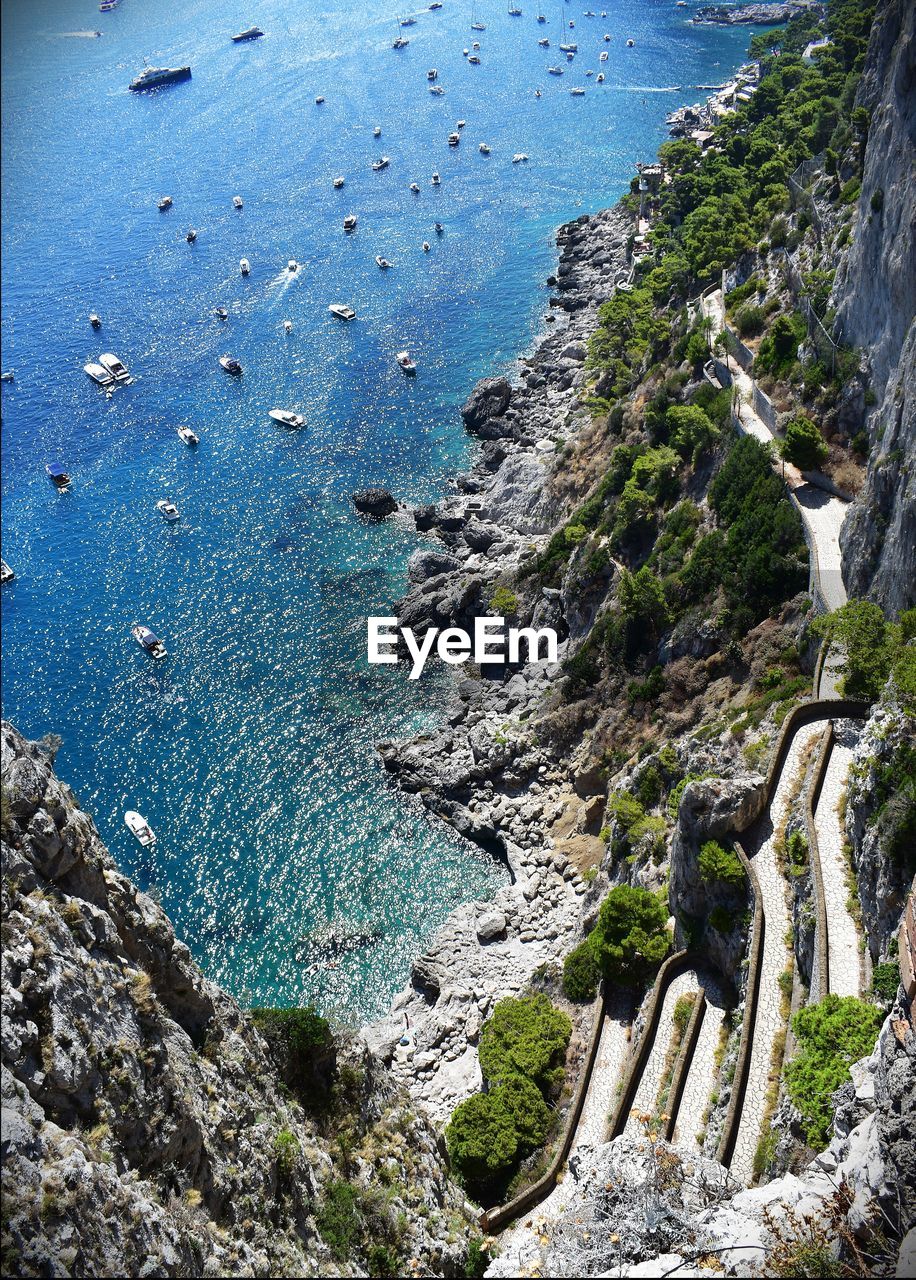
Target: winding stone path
{"type": "Point", "coordinates": [844, 952]}
{"type": "Point", "coordinates": [767, 1022]}
{"type": "Point", "coordinates": [651, 1079]}
{"type": "Point", "coordinates": [701, 1073]}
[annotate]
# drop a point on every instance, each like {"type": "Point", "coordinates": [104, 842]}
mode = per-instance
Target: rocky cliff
{"type": "Point", "coordinates": [876, 303]}
{"type": "Point", "coordinates": [146, 1129]}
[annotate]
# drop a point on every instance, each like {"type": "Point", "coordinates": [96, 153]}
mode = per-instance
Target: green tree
{"type": "Point", "coordinates": [642, 598]}
{"type": "Point", "coordinates": [482, 1142]}
{"type": "Point", "coordinates": [832, 1034]}
{"type": "Point", "coordinates": [862, 630]}
{"type": "Point", "coordinates": [630, 938]}
{"type": "Point", "coordinates": [803, 445]}
{"type": "Point", "coordinates": [527, 1037]}
{"type": "Point", "coordinates": [720, 865]}
{"type": "Point", "coordinates": [690, 430]}
{"type": "Point", "coordinates": [524, 1103]}
{"type": "Point", "coordinates": [581, 973]}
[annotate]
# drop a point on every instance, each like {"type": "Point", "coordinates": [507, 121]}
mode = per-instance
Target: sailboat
{"type": "Point", "coordinates": [400, 42]}
{"type": "Point", "coordinates": [476, 25]}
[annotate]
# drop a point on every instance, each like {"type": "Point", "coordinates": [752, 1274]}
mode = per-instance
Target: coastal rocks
{"type": "Point", "coordinates": [487, 402]}
{"type": "Point", "coordinates": [760, 15]}
{"type": "Point", "coordinates": [425, 564]}
{"type": "Point", "coordinates": [377, 503]}
{"type": "Point", "coordinates": [490, 926]}
{"type": "Point", "coordinates": [424, 518]}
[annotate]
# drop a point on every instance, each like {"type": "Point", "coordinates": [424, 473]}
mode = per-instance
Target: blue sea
{"type": "Point", "coordinates": [251, 748]}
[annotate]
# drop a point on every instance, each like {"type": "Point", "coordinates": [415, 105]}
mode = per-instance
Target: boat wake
{"type": "Point", "coordinates": [76, 35]}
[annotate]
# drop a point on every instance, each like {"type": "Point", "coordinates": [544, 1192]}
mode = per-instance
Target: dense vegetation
{"type": "Point", "coordinates": [832, 1035]}
{"type": "Point", "coordinates": [302, 1047]}
{"type": "Point", "coordinates": [874, 649]}
{"type": "Point", "coordinates": [630, 938]}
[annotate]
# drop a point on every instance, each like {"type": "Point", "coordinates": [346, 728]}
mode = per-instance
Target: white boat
{"type": "Point", "coordinates": [106, 6]}
{"type": "Point", "coordinates": [8, 375]}
{"type": "Point", "coordinates": [167, 510]}
{"type": "Point", "coordinates": [244, 266]}
{"type": "Point", "coordinates": [436, 180]}
{"type": "Point", "coordinates": [6, 573]}
{"type": "Point", "coordinates": [164, 203]}
{"type": "Point", "coordinates": [401, 42]}
{"type": "Point", "coordinates": [607, 38]}
{"type": "Point", "coordinates": [437, 90]}
{"type": "Point", "coordinates": [474, 60]}
{"type": "Point", "coordinates": [98, 374]}
{"type": "Point", "coordinates": [95, 320]}
{"type": "Point", "coordinates": [338, 183]}
{"type": "Point", "coordinates": [408, 22]}
{"type": "Point", "coordinates": [381, 163]}
{"type": "Point", "coordinates": [287, 326]}
{"type": "Point", "coordinates": [554, 71]}
{"type": "Point", "coordinates": [292, 265]}
{"type": "Point", "coordinates": [221, 313]}
{"type": "Point", "coordinates": [603, 56]}
{"type": "Point", "coordinates": [188, 436]}
{"type": "Point", "coordinates": [432, 73]}
{"type": "Point", "coordinates": [459, 124]}
{"type": "Point", "coordinates": [404, 360]}
{"type": "Point", "coordinates": [415, 188]}
{"type": "Point", "coordinates": [229, 364]}
{"type": "Point", "coordinates": [114, 366]}
{"type": "Point", "coordinates": [478, 26]}
{"type": "Point", "coordinates": [630, 44]}
{"type": "Point", "coordinates": [514, 11]}
{"type": "Point", "coordinates": [600, 78]}
{"type": "Point", "coordinates": [139, 827]}
{"type": "Point", "coordinates": [191, 236]}
{"type": "Point", "coordinates": [237, 202]}
{"type": "Point", "coordinates": [484, 149]}
{"type": "Point", "coordinates": [250, 33]}
{"type": "Point", "coordinates": [465, 52]}
{"type": "Point", "coordinates": [569, 48]}
{"type": "Point", "coordinates": [475, 45]}
{"type": "Point", "coordinates": [519, 158]}
{"type": "Point", "coordinates": [383, 263]}
{"type": "Point", "coordinates": [148, 642]}
{"type": "Point", "coordinates": [454, 139]}
{"type": "Point", "coordinates": [342, 311]}
{"type": "Point", "coordinates": [319, 100]}
{"type": "Point", "coordinates": [544, 43]}
{"type": "Point", "coordinates": [426, 246]}
{"type": "Point", "coordinates": [577, 93]}
{"type": "Point", "coordinates": [286, 418]}
{"type": "Point", "coordinates": [377, 131]}
{"type": "Point", "coordinates": [349, 222]}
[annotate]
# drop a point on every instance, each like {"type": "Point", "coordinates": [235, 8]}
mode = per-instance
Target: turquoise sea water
{"type": "Point", "coordinates": [250, 749]}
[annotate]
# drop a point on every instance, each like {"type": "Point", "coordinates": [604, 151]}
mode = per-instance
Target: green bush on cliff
{"type": "Point", "coordinates": [873, 646]}
{"type": "Point", "coordinates": [832, 1034]}
{"type": "Point", "coordinates": [630, 938]}
{"type": "Point", "coordinates": [691, 430]}
{"type": "Point", "coordinates": [581, 974]}
{"type": "Point", "coordinates": [803, 445]}
{"type": "Point", "coordinates": [525, 1036]}
{"type": "Point", "coordinates": [719, 865]}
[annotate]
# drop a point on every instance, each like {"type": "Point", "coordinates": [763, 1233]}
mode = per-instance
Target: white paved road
{"type": "Point", "coordinates": [844, 952]}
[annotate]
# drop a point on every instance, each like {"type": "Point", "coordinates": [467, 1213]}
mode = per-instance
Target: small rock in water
{"type": "Point", "coordinates": [375, 502]}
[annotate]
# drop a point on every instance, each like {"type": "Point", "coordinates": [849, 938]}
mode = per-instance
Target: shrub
{"type": "Point", "coordinates": [832, 1034]}
{"type": "Point", "coordinates": [750, 321]}
{"type": "Point", "coordinates": [885, 980]}
{"type": "Point", "coordinates": [803, 444]}
{"type": "Point", "coordinates": [720, 865]}
{"type": "Point", "coordinates": [382, 1260]}
{"type": "Point", "coordinates": [797, 852]}
{"type": "Point", "coordinates": [482, 1142]}
{"type": "Point", "coordinates": [581, 974]}
{"type": "Point", "coordinates": [302, 1046]}
{"type": "Point", "coordinates": [690, 430]}
{"type": "Point", "coordinates": [683, 1008]}
{"type": "Point", "coordinates": [504, 602]}
{"type": "Point", "coordinates": [286, 1149]}
{"type": "Point", "coordinates": [871, 645]}
{"type": "Point", "coordinates": [630, 938]}
{"type": "Point", "coordinates": [526, 1037]}
{"type": "Point", "coordinates": [523, 1102]}
{"type": "Point", "coordinates": [877, 199]}
{"type": "Point", "coordinates": [338, 1219]}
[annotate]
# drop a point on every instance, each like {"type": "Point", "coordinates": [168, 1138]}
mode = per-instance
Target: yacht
{"type": "Point", "coordinates": [459, 124]}
{"type": "Point", "coordinates": [59, 477]}
{"type": "Point", "coordinates": [630, 44]}
{"type": "Point", "coordinates": [98, 374]}
{"type": "Point", "coordinates": [167, 510]}
{"type": "Point", "coordinates": [191, 236]}
{"type": "Point", "coordinates": [377, 131]}
{"type": "Point", "coordinates": [465, 52]}
{"type": "Point", "coordinates": [221, 313]}
{"type": "Point", "coordinates": [115, 367]}
{"type": "Point", "coordinates": [474, 60]}
{"type": "Point", "coordinates": [569, 48]}
{"type": "Point", "coordinates": [342, 311]}
{"type": "Point", "coordinates": [434, 6]}
{"type": "Point", "coordinates": [438, 228]}
{"type": "Point", "coordinates": [287, 326]}
{"type": "Point", "coordinates": [250, 33]}
{"type": "Point", "coordinates": [475, 45]}
{"type": "Point", "coordinates": [95, 320]}
{"type": "Point", "coordinates": [188, 436]}
{"type": "Point", "coordinates": [570, 56]}
{"type": "Point", "coordinates": [541, 18]}
{"type": "Point", "coordinates": [415, 188]}
{"type": "Point", "coordinates": [244, 266]}
{"type": "Point", "coordinates": [404, 360]}
{"type": "Point", "coordinates": [600, 78]}
{"type": "Point", "coordinates": [555, 71]}
{"type": "Point", "coordinates": [230, 365]}
{"type": "Point", "coordinates": [602, 57]}
{"type": "Point", "coordinates": [514, 11]}
{"type": "Point", "coordinates": [8, 375]}
{"type": "Point", "coordinates": [589, 73]}
{"type": "Point", "coordinates": [349, 222]}
{"type": "Point", "coordinates": [237, 202]}
{"type": "Point", "coordinates": [383, 263]}
{"type": "Point", "coordinates": [106, 6]}
{"type": "Point", "coordinates": [484, 149]}
{"type": "Point", "coordinates": [519, 158]}
{"type": "Point", "coordinates": [382, 163]}
{"type": "Point", "coordinates": [338, 183]}
{"type": "Point", "coordinates": [408, 22]}
{"type": "Point", "coordinates": [607, 38]}
{"type": "Point", "coordinates": [454, 139]}
{"type": "Point", "coordinates": [400, 43]}
{"type": "Point", "coordinates": [478, 26]}
{"type": "Point", "coordinates": [148, 642]}
{"type": "Point", "coordinates": [436, 90]}
{"type": "Point", "coordinates": [577, 93]}
{"type": "Point", "coordinates": [139, 827]}
{"type": "Point", "coordinates": [432, 73]}
{"type": "Point", "coordinates": [292, 265]}
{"type": "Point", "coordinates": [164, 203]}
{"type": "Point", "coordinates": [155, 77]}
{"type": "Point", "coordinates": [286, 419]}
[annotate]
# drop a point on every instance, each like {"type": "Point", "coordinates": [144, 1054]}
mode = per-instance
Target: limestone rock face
{"type": "Point", "coordinates": [876, 302]}
{"type": "Point", "coordinates": [487, 402]}
{"type": "Point", "coordinates": [145, 1129]}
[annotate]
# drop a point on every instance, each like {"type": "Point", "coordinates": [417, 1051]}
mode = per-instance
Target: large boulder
{"type": "Point", "coordinates": [426, 563]}
{"type": "Point", "coordinates": [377, 503]}
{"type": "Point", "coordinates": [487, 402]}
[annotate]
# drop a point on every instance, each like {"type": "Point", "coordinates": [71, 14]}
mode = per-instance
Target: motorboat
{"type": "Point", "coordinates": [475, 45]}
{"type": "Point", "coordinates": [188, 436]}
{"type": "Point", "coordinates": [221, 313]}
{"type": "Point", "coordinates": [569, 48]}
{"type": "Point", "coordinates": [434, 6]}
{"type": "Point", "coordinates": [484, 149]}
{"type": "Point", "coordinates": [415, 188]}
{"type": "Point", "coordinates": [570, 56]}
{"type": "Point", "coordinates": [577, 93]}
{"type": "Point", "coordinates": [168, 510]}
{"type": "Point", "coordinates": [286, 418]}
{"type": "Point", "coordinates": [338, 183]}
{"type": "Point", "coordinates": [95, 320]}
{"type": "Point", "coordinates": [454, 139]}
{"type": "Point", "coordinates": [287, 326]}
{"type": "Point", "coordinates": [478, 26]}
{"type": "Point", "coordinates": [541, 18]}
{"type": "Point", "coordinates": [404, 360]}
{"type": "Point", "coordinates": [6, 573]}
{"type": "Point", "coordinates": [319, 100]}
{"type": "Point", "coordinates": [439, 229]}
{"type": "Point", "coordinates": [432, 73]}
{"type": "Point", "coordinates": [437, 90]}
{"type": "Point", "coordinates": [589, 73]}
{"type": "Point", "coordinates": [8, 375]}
{"type": "Point", "coordinates": [59, 477]}
{"type": "Point", "coordinates": [602, 57]}
{"type": "Point", "coordinates": [408, 22]}
{"type": "Point", "coordinates": [115, 367]}
{"type": "Point", "coordinates": [138, 826]}
{"type": "Point", "coordinates": [292, 265]}
{"type": "Point", "coordinates": [349, 222]}
{"type": "Point", "coordinates": [342, 311]}
{"type": "Point", "coordinates": [156, 77]}
{"type": "Point", "coordinates": [382, 163]}
{"type": "Point", "coordinates": [426, 246]}
{"type": "Point", "coordinates": [250, 33]}
{"type": "Point", "coordinates": [554, 71]}
{"type": "Point", "coordinates": [164, 203]}
{"type": "Point", "coordinates": [98, 374]}
{"type": "Point", "coordinates": [191, 236]}
{"type": "Point", "coordinates": [237, 202]}
{"type": "Point", "coordinates": [148, 641]}
{"type": "Point", "coordinates": [383, 263]}
{"type": "Point", "coordinates": [630, 44]}
{"type": "Point", "coordinates": [465, 52]}
{"type": "Point", "coordinates": [459, 124]}
{"type": "Point", "coordinates": [435, 180]}
{"type": "Point", "coordinates": [106, 6]}
{"type": "Point", "coordinates": [377, 131]}
{"type": "Point", "coordinates": [474, 60]}
{"type": "Point", "coordinates": [544, 43]}
{"type": "Point", "coordinates": [244, 266]}
{"type": "Point", "coordinates": [537, 93]}
{"type": "Point", "coordinates": [515, 11]}
{"type": "Point", "coordinates": [600, 78]}
{"type": "Point", "coordinates": [230, 365]}
{"type": "Point", "coordinates": [607, 38]}
{"type": "Point", "coordinates": [519, 157]}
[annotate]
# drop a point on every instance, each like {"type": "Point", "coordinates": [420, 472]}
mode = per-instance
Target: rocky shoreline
{"type": "Point", "coordinates": [483, 771]}
{"type": "Point", "coordinates": [759, 15]}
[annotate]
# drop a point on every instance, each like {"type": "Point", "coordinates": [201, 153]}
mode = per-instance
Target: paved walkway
{"type": "Point", "coordinates": [701, 1074]}
{"type": "Point", "coordinates": [775, 956]}
{"type": "Point", "coordinates": [844, 951]}
{"type": "Point", "coordinates": [647, 1092]}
